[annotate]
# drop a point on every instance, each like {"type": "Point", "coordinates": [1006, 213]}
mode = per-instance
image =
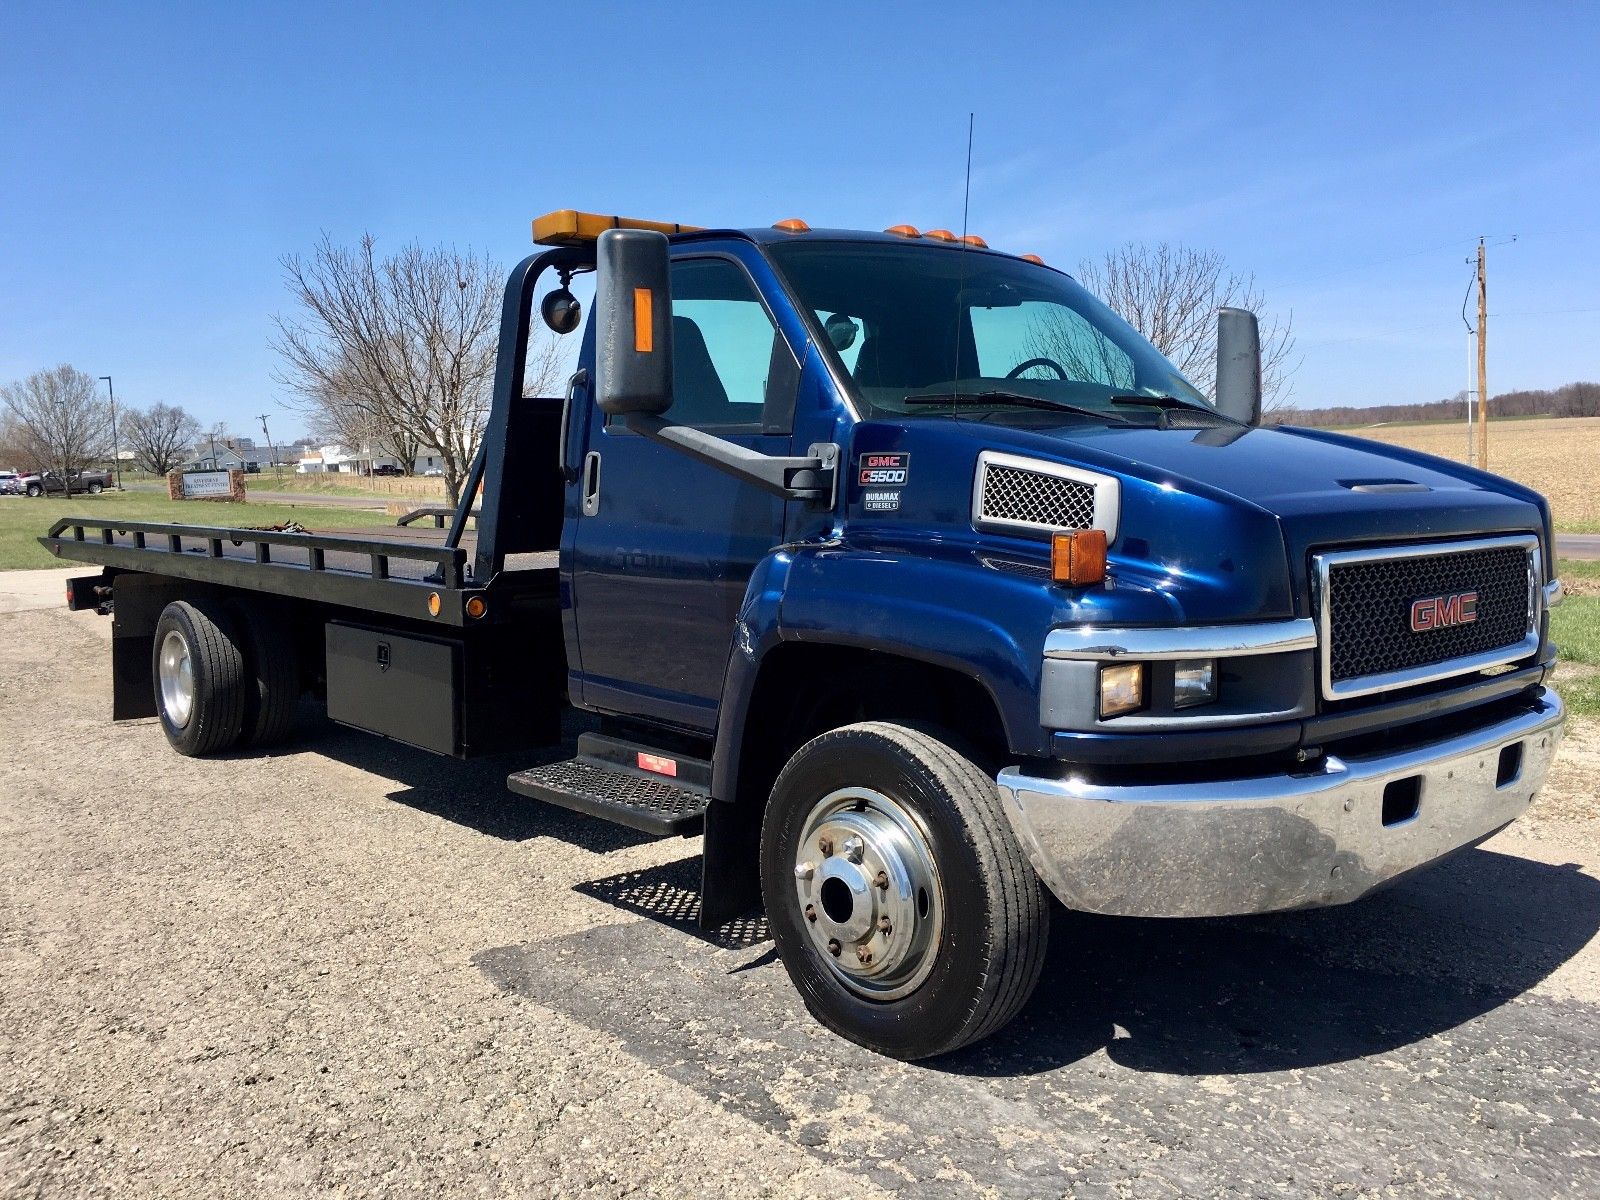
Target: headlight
{"type": "Point", "coordinates": [1121, 689]}
{"type": "Point", "coordinates": [1194, 681]}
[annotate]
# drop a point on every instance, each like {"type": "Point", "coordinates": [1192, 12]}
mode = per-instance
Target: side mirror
{"type": "Point", "coordinates": [1239, 365]}
{"type": "Point", "coordinates": [633, 322]}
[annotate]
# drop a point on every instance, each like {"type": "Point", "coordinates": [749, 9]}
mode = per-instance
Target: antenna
{"type": "Point", "coordinates": [961, 275]}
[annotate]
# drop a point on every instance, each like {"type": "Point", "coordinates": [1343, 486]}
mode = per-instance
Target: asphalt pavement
{"type": "Point", "coordinates": [1578, 545]}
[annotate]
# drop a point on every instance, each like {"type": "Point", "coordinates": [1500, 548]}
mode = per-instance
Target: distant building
{"type": "Point", "coordinates": [336, 459]}
{"type": "Point", "coordinates": [240, 454]}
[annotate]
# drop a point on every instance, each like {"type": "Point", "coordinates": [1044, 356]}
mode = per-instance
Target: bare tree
{"type": "Point", "coordinates": [58, 418]}
{"type": "Point", "coordinates": [398, 351]}
{"type": "Point", "coordinates": [549, 363]}
{"type": "Point", "coordinates": [1171, 294]}
{"type": "Point", "coordinates": [160, 436]}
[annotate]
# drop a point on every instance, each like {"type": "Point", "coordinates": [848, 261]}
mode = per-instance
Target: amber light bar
{"type": "Point", "coordinates": [568, 227]}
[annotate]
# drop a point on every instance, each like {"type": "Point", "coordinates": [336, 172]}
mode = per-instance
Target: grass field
{"type": "Point", "coordinates": [1575, 629]}
{"type": "Point", "coordinates": [1559, 456]}
{"type": "Point", "coordinates": [22, 520]}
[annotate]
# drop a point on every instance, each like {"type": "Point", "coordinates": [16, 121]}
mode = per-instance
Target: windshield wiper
{"type": "Point", "coordinates": [1014, 400]}
{"type": "Point", "coordinates": [1165, 405]}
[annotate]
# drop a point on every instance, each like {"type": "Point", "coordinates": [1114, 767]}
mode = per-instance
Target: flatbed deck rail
{"type": "Point", "coordinates": [439, 514]}
{"type": "Point", "coordinates": [396, 577]}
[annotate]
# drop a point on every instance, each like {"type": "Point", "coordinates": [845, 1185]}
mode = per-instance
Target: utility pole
{"type": "Point", "coordinates": [1483, 357]}
{"type": "Point", "coordinates": [277, 470]}
{"type": "Point", "coordinates": [116, 450]}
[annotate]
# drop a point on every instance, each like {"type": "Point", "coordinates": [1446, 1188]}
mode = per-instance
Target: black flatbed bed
{"type": "Point", "coordinates": [395, 573]}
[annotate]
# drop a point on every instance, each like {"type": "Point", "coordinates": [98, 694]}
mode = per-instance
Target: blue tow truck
{"type": "Point", "coordinates": [920, 584]}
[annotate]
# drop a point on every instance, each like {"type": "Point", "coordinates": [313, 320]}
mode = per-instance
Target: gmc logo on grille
{"type": "Point", "coordinates": [1440, 612]}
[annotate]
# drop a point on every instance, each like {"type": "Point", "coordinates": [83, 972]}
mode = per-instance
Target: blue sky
{"type": "Point", "coordinates": [158, 160]}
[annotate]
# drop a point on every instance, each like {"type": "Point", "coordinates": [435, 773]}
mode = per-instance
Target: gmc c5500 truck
{"type": "Point", "coordinates": [924, 587]}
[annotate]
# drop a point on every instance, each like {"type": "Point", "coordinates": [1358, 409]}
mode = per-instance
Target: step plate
{"type": "Point", "coordinates": [638, 801]}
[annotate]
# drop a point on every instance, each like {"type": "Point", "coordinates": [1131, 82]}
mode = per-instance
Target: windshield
{"type": "Point", "coordinates": [986, 333]}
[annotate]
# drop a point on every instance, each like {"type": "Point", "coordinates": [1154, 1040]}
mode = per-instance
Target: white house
{"type": "Point", "coordinates": [335, 458]}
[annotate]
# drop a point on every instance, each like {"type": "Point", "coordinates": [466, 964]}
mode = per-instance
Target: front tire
{"type": "Point", "coordinates": [906, 914]}
{"type": "Point", "coordinates": [34, 490]}
{"type": "Point", "coordinates": [199, 676]}
{"type": "Point", "coordinates": [95, 489]}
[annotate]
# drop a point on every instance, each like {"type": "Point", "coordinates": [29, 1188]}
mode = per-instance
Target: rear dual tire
{"type": "Point", "coordinates": [907, 915]}
{"type": "Point", "coordinates": [224, 676]}
{"type": "Point", "coordinates": [199, 677]}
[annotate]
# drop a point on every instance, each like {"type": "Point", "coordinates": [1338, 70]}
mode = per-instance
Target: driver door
{"type": "Point", "coordinates": [665, 545]}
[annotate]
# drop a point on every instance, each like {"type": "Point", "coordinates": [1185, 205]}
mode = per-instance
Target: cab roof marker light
{"type": "Point", "coordinates": [905, 231]}
{"type": "Point", "coordinates": [792, 225]}
{"type": "Point", "coordinates": [941, 235]}
{"type": "Point", "coordinates": [973, 239]}
{"type": "Point", "coordinates": [1033, 258]}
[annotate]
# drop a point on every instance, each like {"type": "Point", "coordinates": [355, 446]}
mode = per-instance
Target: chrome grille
{"type": "Point", "coordinates": [1373, 638]}
{"type": "Point", "coordinates": [1035, 495]}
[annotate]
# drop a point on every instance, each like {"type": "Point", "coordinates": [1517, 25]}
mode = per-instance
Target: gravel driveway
{"type": "Point", "coordinates": [349, 967]}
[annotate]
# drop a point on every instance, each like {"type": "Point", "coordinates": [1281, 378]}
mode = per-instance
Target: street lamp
{"type": "Point", "coordinates": [116, 450]}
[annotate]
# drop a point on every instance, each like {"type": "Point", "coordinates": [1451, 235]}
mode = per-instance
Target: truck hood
{"type": "Point", "coordinates": [1323, 489]}
{"type": "Point", "coordinates": [1234, 514]}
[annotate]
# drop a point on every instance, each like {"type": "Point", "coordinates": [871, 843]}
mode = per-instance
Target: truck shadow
{"type": "Point", "coordinates": [1250, 994]}
{"type": "Point", "coordinates": [471, 793]}
{"type": "Point", "coordinates": [1254, 994]}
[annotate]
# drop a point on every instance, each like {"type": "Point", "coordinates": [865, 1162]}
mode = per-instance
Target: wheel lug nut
{"type": "Point", "coordinates": [854, 848]}
{"type": "Point", "coordinates": [825, 844]}
{"type": "Point", "coordinates": [885, 926]}
{"type": "Point", "coordinates": [881, 880]}
{"type": "Point", "coordinates": [863, 955]}
{"type": "Point", "coordinates": [805, 870]}
{"type": "Point", "coordinates": [811, 912]}
{"type": "Point", "coordinates": [834, 947]}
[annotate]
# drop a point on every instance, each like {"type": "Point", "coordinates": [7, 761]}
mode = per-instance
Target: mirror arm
{"type": "Point", "coordinates": [812, 478]}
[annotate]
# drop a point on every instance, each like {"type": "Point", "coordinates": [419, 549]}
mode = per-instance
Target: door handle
{"type": "Point", "coordinates": [591, 483]}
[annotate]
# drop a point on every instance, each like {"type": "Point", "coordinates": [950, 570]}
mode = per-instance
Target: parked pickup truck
{"type": "Point", "coordinates": [924, 587]}
{"type": "Point", "coordinates": [40, 482]}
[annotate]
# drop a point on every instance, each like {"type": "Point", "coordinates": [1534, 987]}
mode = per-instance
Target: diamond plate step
{"type": "Point", "coordinates": [639, 800]}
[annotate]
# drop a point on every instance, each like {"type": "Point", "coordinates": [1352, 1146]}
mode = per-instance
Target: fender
{"type": "Point", "coordinates": [754, 633]}
{"type": "Point", "coordinates": [948, 606]}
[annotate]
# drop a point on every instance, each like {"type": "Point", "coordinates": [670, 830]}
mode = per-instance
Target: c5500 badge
{"type": "Point", "coordinates": [882, 475]}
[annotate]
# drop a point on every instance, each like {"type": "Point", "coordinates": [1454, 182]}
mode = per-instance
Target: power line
{"type": "Point", "coordinates": [1376, 262]}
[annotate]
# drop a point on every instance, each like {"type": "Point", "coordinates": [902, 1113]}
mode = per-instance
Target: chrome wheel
{"type": "Point", "coordinates": [869, 892]}
{"type": "Point", "coordinates": [176, 670]}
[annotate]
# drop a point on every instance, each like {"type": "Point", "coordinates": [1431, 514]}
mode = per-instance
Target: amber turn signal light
{"type": "Point", "coordinates": [1078, 557]}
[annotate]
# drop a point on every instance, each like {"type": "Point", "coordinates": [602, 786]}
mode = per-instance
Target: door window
{"type": "Point", "coordinates": [730, 366]}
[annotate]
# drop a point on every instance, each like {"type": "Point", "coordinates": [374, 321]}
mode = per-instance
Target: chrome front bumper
{"type": "Point", "coordinates": [1273, 842]}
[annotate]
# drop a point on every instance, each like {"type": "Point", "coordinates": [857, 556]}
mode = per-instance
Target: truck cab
{"type": "Point", "coordinates": [924, 586]}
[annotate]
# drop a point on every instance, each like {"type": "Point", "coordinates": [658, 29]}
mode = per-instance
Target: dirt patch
{"type": "Point", "coordinates": [351, 968]}
{"type": "Point", "coordinates": [1571, 796]}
